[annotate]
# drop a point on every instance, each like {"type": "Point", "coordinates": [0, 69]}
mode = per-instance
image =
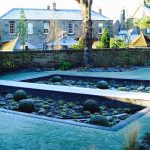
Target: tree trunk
{"type": "Point", "coordinates": [87, 57]}
{"type": "Point", "coordinates": [87, 28]}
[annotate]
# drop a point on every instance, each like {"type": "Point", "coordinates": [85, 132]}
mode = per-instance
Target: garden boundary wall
{"type": "Point", "coordinates": [53, 58]}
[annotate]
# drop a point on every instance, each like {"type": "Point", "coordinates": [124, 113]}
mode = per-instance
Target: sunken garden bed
{"type": "Point", "coordinates": [95, 82]}
{"type": "Point", "coordinates": [96, 111]}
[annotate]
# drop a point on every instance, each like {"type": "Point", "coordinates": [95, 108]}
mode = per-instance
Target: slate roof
{"type": "Point", "coordinates": [124, 34]}
{"type": "Point", "coordinates": [45, 14]}
{"type": "Point", "coordinates": [64, 41]}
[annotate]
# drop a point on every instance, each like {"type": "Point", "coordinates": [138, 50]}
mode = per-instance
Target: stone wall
{"type": "Point", "coordinates": [101, 58]}
{"type": "Point", "coordinates": [122, 57]}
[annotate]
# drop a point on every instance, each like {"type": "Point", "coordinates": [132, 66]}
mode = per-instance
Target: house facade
{"type": "Point", "coordinates": [39, 21]}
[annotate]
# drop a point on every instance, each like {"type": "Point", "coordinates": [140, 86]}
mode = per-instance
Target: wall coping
{"type": "Point", "coordinates": [68, 51]}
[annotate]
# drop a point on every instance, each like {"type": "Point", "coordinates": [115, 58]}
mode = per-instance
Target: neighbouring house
{"type": "Point", "coordinates": [141, 41]}
{"type": "Point", "coordinates": [125, 25]}
{"type": "Point", "coordinates": [15, 45]}
{"type": "Point", "coordinates": [142, 11]}
{"type": "Point", "coordinates": [39, 21]}
{"type": "Point", "coordinates": [125, 29]}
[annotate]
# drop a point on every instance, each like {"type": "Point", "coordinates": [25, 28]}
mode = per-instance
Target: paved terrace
{"type": "Point", "coordinates": [142, 74]}
{"type": "Point", "coordinates": [19, 132]}
{"type": "Point", "coordinates": [22, 132]}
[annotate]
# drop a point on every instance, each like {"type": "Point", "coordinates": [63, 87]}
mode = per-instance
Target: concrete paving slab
{"type": "Point", "coordinates": [18, 132]}
{"type": "Point", "coordinates": [88, 91]}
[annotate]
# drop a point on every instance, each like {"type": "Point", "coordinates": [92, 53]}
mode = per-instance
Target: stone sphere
{"type": "Point", "coordinates": [91, 105]}
{"type": "Point", "coordinates": [102, 85]}
{"type": "Point", "coordinates": [99, 120]}
{"type": "Point", "coordinates": [26, 105]}
{"type": "Point", "coordinates": [56, 79]}
{"type": "Point", "coordinates": [19, 95]}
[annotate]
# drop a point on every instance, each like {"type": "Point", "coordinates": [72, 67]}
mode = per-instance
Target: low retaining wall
{"type": "Point", "coordinates": [101, 58]}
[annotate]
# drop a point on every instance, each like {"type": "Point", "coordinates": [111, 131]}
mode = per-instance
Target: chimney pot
{"type": "Point", "coordinates": [54, 6]}
{"type": "Point", "coordinates": [48, 7]}
{"type": "Point", "coordinates": [100, 11]}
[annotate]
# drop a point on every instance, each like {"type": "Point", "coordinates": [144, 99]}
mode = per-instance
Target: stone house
{"type": "Point", "coordinates": [39, 20]}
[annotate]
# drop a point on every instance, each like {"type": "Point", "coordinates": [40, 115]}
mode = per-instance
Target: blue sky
{"type": "Point", "coordinates": [111, 8]}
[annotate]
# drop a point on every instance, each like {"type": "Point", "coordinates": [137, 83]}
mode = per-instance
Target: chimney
{"type": "Point", "coordinates": [54, 5]}
{"type": "Point", "coordinates": [123, 15]}
{"type": "Point", "coordinates": [48, 7]}
{"type": "Point", "coordinates": [100, 11]}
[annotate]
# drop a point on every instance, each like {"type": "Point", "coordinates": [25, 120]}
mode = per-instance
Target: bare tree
{"type": "Point", "coordinates": [55, 30]}
{"type": "Point", "coordinates": [87, 28]}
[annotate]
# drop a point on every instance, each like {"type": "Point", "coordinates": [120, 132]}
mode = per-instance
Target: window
{"type": "Point", "coordinates": [148, 30]}
{"type": "Point", "coordinates": [46, 27]}
{"type": "Point", "coordinates": [12, 27]}
{"type": "Point", "coordinates": [100, 28]}
{"type": "Point", "coordinates": [30, 28]}
{"type": "Point", "coordinates": [71, 28]}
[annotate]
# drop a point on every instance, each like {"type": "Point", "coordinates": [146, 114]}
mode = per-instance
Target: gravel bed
{"type": "Point", "coordinates": [67, 110]}
{"type": "Point", "coordinates": [113, 85]}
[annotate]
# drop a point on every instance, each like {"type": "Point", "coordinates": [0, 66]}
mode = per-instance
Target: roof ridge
{"type": "Point", "coordinates": [32, 11]}
{"type": "Point", "coordinates": [45, 9]}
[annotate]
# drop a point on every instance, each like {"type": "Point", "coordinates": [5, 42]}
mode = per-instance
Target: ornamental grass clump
{"type": "Point", "coordinates": [131, 137]}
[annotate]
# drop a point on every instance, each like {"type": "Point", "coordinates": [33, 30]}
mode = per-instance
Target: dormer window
{"type": "Point", "coordinates": [71, 28]}
{"type": "Point", "coordinates": [46, 27]}
{"type": "Point", "coordinates": [12, 27]}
